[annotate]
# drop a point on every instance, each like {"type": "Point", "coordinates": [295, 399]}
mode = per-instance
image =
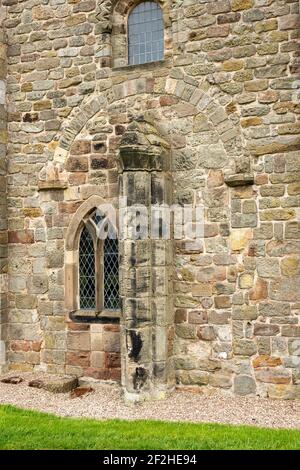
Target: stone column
{"type": "Point", "coordinates": [3, 202]}
{"type": "Point", "coordinates": [146, 266]}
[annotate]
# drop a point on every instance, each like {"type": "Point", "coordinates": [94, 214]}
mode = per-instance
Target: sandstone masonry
{"type": "Point", "coordinates": [222, 109]}
{"type": "Point", "coordinates": [3, 198]}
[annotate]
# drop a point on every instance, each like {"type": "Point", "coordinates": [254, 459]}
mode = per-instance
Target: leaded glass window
{"type": "Point", "coordinates": [111, 274]}
{"type": "Point", "coordinates": [87, 273]}
{"type": "Point", "coordinates": [145, 33]}
{"type": "Point", "coordinates": [98, 266]}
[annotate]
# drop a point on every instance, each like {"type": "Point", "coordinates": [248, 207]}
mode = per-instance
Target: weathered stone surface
{"type": "Point", "coordinates": [220, 379]}
{"type": "Point", "coordinates": [277, 309]}
{"type": "Point", "coordinates": [244, 385]}
{"type": "Point", "coordinates": [244, 347]}
{"type": "Point", "coordinates": [239, 238]}
{"type": "Point", "coordinates": [78, 130]}
{"type": "Point", "coordinates": [245, 312]}
{"type": "Point", "coordinates": [284, 392]}
{"type": "Point", "coordinates": [282, 289]}
{"type": "Point", "coordinates": [194, 377]}
{"type": "Point", "coordinates": [60, 384]}
{"type": "Point", "coordinates": [273, 375]}
{"type": "Point", "coordinates": [266, 361]}
{"type": "Point", "coordinates": [262, 329]}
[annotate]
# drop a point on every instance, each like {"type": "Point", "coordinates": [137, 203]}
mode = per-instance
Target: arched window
{"type": "Point", "coordinates": [98, 265]}
{"type": "Point", "coordinates": [87, 272]}
{"type": "Point", "coordinates": [145, 33]}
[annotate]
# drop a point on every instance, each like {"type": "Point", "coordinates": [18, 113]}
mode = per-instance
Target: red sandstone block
{"type": "Point", "coordinates": [20, 346]}
{"type": "Point", "coordinates": [36, 346]}
{"type": "Point", "coordinates": [80, 147]}
{"type": "Point", "coordinates": [112, 328]}
{"type": "Point", "coordinates": [218, 31]}
{"type": "Point", "coordinates": [112, 360]}
{"type": "Point", "coordinates": [230, 18]}
{"type": "Point", "coordinates": [114, 374]}
{"type": "Point", "coordinates": [167, 100]}
{"type": "Point", "coordinates": [77, 164]}
{"type": "Point", "coordinates": [81, 358]}
{"type": "Point", "coordinates": [21, 236]}
{"type": "Point", "coordinates": [68, 207]}
{"type": "Point", "coordinates": [77, 179]}
{"type": "Point", "coordinates": [99, 374]}
{"type": "Point", "coordinates": [180, 315]}
{"type": "Point", "coordinates": [78, 326]}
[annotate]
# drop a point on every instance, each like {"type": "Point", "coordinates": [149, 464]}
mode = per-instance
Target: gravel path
{"type": "Point", "coordinates": [106, 402]}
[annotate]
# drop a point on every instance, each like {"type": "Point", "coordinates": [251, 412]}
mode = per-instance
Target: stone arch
{"type": "Point", "coordinates": [186, 89]}
{"type": "Point", "coordinates": [77, 220]}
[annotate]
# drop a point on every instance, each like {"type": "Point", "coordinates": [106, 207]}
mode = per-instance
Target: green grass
{"type": "Point", "coordinates": [23, 429]}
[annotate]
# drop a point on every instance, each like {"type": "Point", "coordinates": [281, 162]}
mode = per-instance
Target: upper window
{"type": "Point", "coordinates": [145, 34]}
{"type": "Point", "coordinates": [98, 265]}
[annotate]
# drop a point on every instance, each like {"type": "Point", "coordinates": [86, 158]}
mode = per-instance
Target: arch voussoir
{"type": "Point", "coordinates": [187, 89]}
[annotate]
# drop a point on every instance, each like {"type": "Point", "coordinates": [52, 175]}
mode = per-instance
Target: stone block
{"type": "Point", "coordinates": [244, 312]}
{"type": "Point", "coordinates": [244, 385]}
{"type": "Point", "coordinates": [245, 281]}
{"type": "Point", "coordinates": [194, 377]}
{"type": "Point", "coordinates": [239, 238]}
{"type": "Point", "coordinates": [244, 347]}
{"type": "Point", "coordinates": [266, 361]}
{"type": "Point", "coordinates": [206, 333]}
{"type": "Point", "coordinates": [283, 289]}
{"type": "Point", "coordinates": [97, 359]}
{"type": "Point", "coordinates": [60, 385]}
{"type": "Point", "coordinates": [263, 329]}
{"type": "Point", "coordinates": [291, 331]}
{"type": "Point", "coordinates": [79, 341]}
{"type": "Point", "coordinates": [277, 309]}
{"type": "Point", "coordinates": [220, 379]}
{"type": "Point", "coordinates": [198, 317]}
{"type": "Point", "coordinates": [273, 375]}
{"type": "Point", "coordinates": [284, 392]}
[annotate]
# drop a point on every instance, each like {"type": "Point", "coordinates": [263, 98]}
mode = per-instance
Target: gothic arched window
{"type": "Point", "coordinates": [145, 33]}
{"type": "Point", "coordinates": [98, 265]}
{"type": "Point", "coordinates": [87, 272]}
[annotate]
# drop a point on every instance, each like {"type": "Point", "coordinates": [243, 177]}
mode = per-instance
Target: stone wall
{"type": "Point", "coordinates": [3, 201]}
{"type": "Point", "coordinates": [226, 100]}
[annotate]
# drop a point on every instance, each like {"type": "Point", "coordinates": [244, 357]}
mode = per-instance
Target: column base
{"type": "Point", "coordinates": [138, 397]}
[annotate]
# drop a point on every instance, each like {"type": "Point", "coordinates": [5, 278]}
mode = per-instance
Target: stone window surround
{"type": "Point", "coordinates": [119, 36]}
{"type": "Point", "coordinates": [81, 219]}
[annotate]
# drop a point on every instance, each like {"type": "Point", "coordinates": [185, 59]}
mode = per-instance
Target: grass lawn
{"type": "Point", "coordinates": [22, 429]}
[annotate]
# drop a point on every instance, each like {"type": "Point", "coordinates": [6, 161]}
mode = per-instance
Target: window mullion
{"type": "Point", "coordinates": [99, 275]}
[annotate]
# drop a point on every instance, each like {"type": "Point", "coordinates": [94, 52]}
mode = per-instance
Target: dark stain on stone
{"type": "Point", "coordinates": [99, 163]}
{"type": "Point", "coordinates": [136, 345]}
{"type": "Point", "coordinates": [99, 147]}
{"type": "Point", "coordinates": [157, 191]}
{"type": "Point", "coordinates": [30, 117]}
{"type": "Point", "coordinates": [139, 378]}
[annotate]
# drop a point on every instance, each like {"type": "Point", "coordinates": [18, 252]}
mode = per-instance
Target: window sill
{"type": "Point", "coordinates": [146, 65]}
{"type": "Point", "coordinates": [92, 316]}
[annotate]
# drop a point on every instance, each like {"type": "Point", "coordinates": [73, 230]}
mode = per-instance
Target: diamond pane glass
{"type": "Point", "coordinates": [145, 33]}
{"type": "Point", "coordinates": [87, 279]}
{"type": "Point", "coordinates": [97, 217]}
{"type": "Point", "coordinates": [111, 274]}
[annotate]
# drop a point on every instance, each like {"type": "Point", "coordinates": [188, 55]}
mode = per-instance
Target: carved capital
{"type": "Point", "coordinates": [53, 176]}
